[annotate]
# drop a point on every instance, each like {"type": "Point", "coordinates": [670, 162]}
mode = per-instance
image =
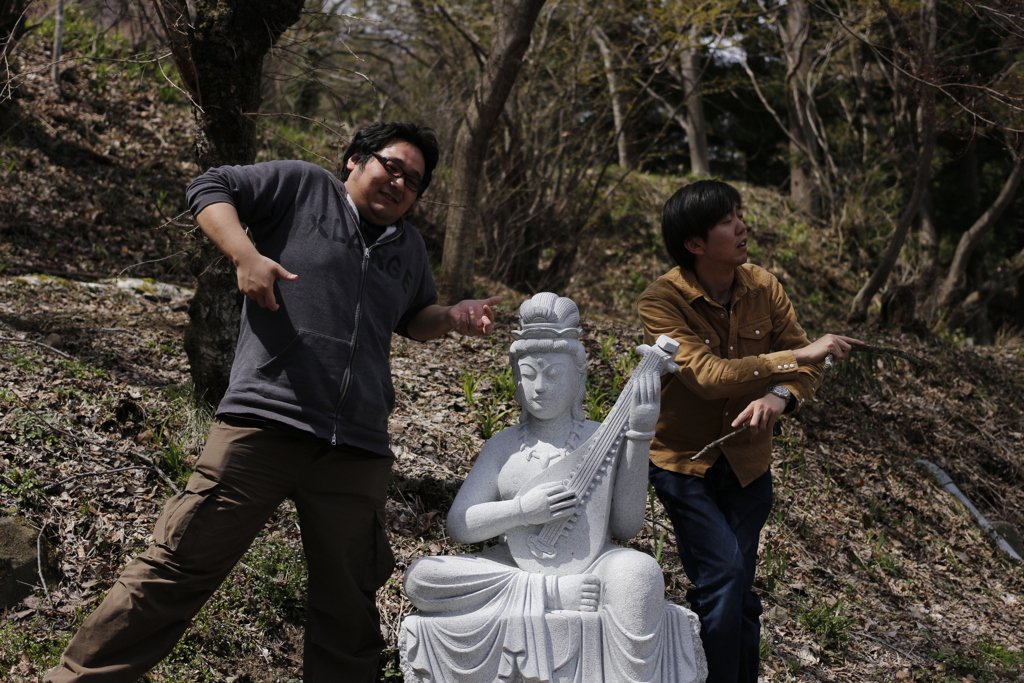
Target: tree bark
{"type": "Point", "coordinates": [975, 302]}
{"type": "Point", "coordinates": [58, 41]}
{"type": "Point", "coordinates": [953, 281]}
{"type": "Point", "coordinates": [219, 46]}
{"type": "Point", "coordinates": [803, 189]}
{"type": "Point", "coordinates": [615, 90]}
{"type": "Point", "coordinates": [926, 152]}
{"type": "Point", "coordinates": [696, 127]}
{"type": "Point", "coordinates": [500, 71]}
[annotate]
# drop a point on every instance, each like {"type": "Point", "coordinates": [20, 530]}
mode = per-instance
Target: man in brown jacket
{"type": "Point", "coordinates": [743, 359]}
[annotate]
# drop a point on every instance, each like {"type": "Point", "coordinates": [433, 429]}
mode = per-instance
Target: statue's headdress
{"type": "Point", "coordinates": [548, 316]}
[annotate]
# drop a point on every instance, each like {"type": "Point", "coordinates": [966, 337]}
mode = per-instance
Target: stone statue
{"type": "Point", "coordinates": [555, 599]}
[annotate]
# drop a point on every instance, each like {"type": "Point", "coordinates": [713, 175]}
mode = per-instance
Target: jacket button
{"type": "Point", "coordinates": [757, 331]}
{"type": "Point", "coordinates": [756, 373]}
{"type": "Point", "coordinates": [707, 341]}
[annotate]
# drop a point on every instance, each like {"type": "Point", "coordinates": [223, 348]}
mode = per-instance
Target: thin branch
{"type": "Point", "coordinates": [54, 485]}
{"type": "Point", "coordinates": [39, 564]}
{"type": "Point", "coordinates": [890, 351]}
{"type": "Point", "coordinates": [718, 442]}
{"type": "Point", "coordinates": [29, 341]}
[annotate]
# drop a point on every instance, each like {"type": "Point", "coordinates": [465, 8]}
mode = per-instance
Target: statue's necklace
{"type": "Point", "coordinates": [545, 452]}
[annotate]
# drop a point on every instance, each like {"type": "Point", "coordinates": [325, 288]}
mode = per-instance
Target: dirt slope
{"type": "Point", "coordinates": [869, 571]}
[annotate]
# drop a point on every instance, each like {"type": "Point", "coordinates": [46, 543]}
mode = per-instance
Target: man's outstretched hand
{"type": "Point", "coordinates": [473, 317]}
{"type": "Point", "coordinates": [835, 345]}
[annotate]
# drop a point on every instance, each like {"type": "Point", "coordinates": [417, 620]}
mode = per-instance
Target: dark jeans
{"type": "Point", "coordinates": [717, 525]}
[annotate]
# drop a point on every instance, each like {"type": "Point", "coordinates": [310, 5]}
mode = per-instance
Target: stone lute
{"type": "Point", "coordinates": [571, 544]}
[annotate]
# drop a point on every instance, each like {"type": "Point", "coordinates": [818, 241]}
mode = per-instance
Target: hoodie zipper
{"type": "Point", "coordinates": [346, 379]}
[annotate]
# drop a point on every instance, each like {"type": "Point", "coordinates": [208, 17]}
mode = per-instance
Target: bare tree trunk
{"type": "Point", "coordinates": [500, 71]}
{"type": "Point", "coordinates": [969, 240]}
{"type": "Point", "coordinates": [924, 287]}
{"type": "Point", "coordinates": [975, 302]}
{"type": "Point", "coordinates": [696, 127]}
{"type": "Point", "coordinates": [926, 151]}
{"type": "Point", "coordinates": [58, 41]}
{"type": "Point", "coordinates": [219, 46]}
{"type": "Point", "coordinates": [622, 138]}
{"type": "Point", "coordinates": [803, 190]}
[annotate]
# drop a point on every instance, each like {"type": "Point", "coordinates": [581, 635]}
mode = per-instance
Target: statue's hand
{"type": "Point", "coordinates": [643, 414]}
{"type": "Point", "coordinates": [546, 502]}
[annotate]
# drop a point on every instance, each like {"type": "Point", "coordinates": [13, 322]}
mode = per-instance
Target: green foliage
{"type": "Point", "coordinates": [492, 406]}
{"type": "Point", "coordinates": [390, 667]}
{"type": "Point", "coordinates": [830, 623]}
{"type": "Point", "coordinates": [79, 369]}
{"type": "Point", "coordinates": [505, 385]}
{"type": "Point", "coordinates": [605, 379]}
{"type": "Point", "coordinates": [181, 433]}
{"type": "Point", "coordinates": [34, 645]}
{"type": "Point", "coordinates": [25, 363]}
{"type": "Point", "coordinates": [490, 415]}
{"type": "Point", "coordinates": [773, 574]}
{"type": "Point", "coordinates": [596, 404]}
{"type": "Point", "coordinates": [23, 485]}
{"type": "Point", "coordinates": [470, 382]}
{"type": "Point", "coordinates": [985, 660]}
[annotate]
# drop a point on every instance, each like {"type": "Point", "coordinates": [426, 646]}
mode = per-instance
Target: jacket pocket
{"type": "Point", "coordinates": [172, 528]}
{"type": "Point", "coordinates": [307, 372]}
{"type": "Point", "coordinates": [755, 337]}
{"type": "Point", "coordinates": [381, 561]}
{"type": "Point", "coordinates": [369, 402]}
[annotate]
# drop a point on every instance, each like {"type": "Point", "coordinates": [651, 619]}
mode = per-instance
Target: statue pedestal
{"type": "Point", "coordinates": [582, 647]}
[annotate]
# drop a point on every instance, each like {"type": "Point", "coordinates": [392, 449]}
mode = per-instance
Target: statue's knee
{"type": "Point", "coordinates": [627, 571]}
{"type": "Point", "coordinates": [417, 577]}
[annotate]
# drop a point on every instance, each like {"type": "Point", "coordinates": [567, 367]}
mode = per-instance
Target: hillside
{"type": "Point", "coordinates": [869, 571]}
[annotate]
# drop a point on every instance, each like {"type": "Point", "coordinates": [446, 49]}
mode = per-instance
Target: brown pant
{"type": "Point", "coordinates": [240, 479]}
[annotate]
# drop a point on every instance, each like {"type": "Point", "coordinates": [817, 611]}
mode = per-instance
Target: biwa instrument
{"type": "Point", "coordinates": [569, 545]}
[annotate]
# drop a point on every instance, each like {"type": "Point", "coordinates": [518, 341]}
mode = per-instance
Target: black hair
{"type": "Point", "coordinates": [691, 212]}
{"type": "Point", "coordinates": [377, 136]}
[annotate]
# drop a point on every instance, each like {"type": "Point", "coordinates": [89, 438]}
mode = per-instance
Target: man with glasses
{"type": "Point", "coordinates": [332, 271]}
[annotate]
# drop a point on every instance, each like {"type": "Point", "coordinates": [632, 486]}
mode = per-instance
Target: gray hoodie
{"type": "Point", "coordinates": [320, 363]}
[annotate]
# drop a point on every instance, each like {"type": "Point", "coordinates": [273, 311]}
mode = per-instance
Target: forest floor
{"type": "Point", "coordinates": [869, 571]}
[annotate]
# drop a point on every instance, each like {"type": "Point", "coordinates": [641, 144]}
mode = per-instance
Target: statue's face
{"type": "Point", "coordinates": [549, 384]}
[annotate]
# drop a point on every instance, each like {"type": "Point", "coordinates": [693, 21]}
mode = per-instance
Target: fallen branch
{"type": "Point", "coordinates": [65, 480]}
{"type": "Point", "coordinates": [39, 564]}
{"type": "Point", "coordinates": [29, 341]}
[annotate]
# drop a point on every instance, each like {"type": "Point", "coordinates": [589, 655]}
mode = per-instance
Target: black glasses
{"type": "Point", "coordinates": [395, 170]}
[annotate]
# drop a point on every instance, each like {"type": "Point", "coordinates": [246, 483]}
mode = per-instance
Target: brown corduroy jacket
{"type": "Point", "coordinates": [726, 360]}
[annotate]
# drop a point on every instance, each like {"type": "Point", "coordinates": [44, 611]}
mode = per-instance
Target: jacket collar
{"type": "Point", "coordinates": [390, 232]}
{"type": "Point", "coordinates": [691, 289]}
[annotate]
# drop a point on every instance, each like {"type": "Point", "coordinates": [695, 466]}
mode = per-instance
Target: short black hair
{"type": "Point", "coordinates": [377, 136]}
{"type": "Point", "coordinates": [691, 212]}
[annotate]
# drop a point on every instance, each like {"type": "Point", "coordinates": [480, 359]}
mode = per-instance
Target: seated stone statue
{"type": "Point", "coordinates": [555, 599]}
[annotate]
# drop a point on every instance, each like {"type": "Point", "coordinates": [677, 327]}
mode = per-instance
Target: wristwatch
{"type": "Point", "coordinates": [782, 392]}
